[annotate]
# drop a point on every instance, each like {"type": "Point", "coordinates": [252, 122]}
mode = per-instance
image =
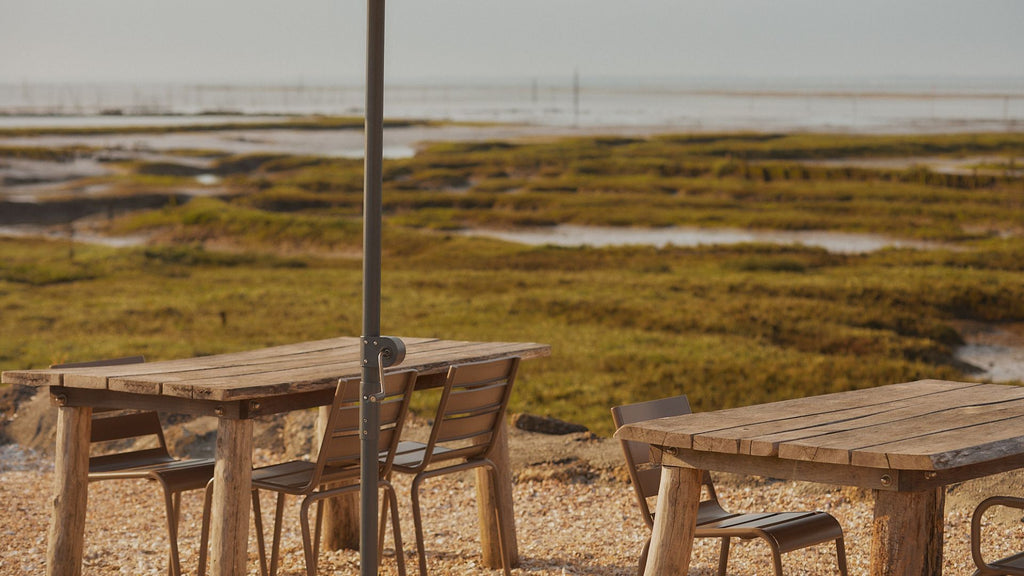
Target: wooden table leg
{"type": "Point", "coordinates": [341, 513]}
{"type": "Point", "coordinates": [485, 506]}
{"type": "Point", "coordinates": [71, 480]}
{"type": "Point", "coordinates": [675, 521]}
{"type": "Point", "coordinates": [906, 535]}
{"type": "Point", "coordinates": [232, 485]}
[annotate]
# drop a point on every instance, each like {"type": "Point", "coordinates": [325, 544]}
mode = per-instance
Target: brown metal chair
{"type": "Point", "coordinates": [337, 462]}
{"type": "Point", "coordinates": [469, 417]}
{"type": "Point", "coordinates": [783, 531]}
{"type": "Point", "coordinates": [115, 428]}
{"type": "Point", "coordinates": [1011, 565]}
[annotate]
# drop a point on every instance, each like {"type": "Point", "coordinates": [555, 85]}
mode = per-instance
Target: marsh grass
{"type": "Point", "coordinates": [284, 123]}
{"type": "Point", "coordinates": [276, 261]}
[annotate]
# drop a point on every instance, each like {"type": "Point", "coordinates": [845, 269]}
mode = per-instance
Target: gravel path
{"type": "Point", "coordinates": [573, 517]}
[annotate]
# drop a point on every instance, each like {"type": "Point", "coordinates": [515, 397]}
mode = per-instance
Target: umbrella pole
{"type": "Point", "coordinates": [370, 385]}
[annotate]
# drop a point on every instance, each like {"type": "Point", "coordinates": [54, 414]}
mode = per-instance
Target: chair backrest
{"type": "Point", "coordinates": [645, 476]}
{"type": "Point", "coordinates": [120, 426]}
{"type": "Point", "coordinates": [471, 410]}
{"type": "Point", "coordinates": [340, 447]}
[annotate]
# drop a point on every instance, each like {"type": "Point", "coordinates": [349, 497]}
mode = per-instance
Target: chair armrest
{"type": "Point", "coordinates": [1005, 501]}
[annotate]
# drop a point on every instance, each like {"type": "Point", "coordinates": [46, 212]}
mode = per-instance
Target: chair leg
{"type": "Point", "coordinates": [723, 557]}
{"type": "Point", "coordinates": [643, 557]}
{"type": "Point", "coordinates": [204, 535]}
{"type": "Point", "coordinates": [399, 550]}
{"type": "Point", "coordinates": [777, 560]}
{"type": "Point", "coordinates": [841, 555]}
{"type": "Point", "coordinates": [382, 529]}
{"type": "Point", "coordinates": [307, 543]}
{"type": "Point", "coordinates": [506, 563]}
{"type": "Point", "coordinates": [171, 502]}
{"type": "Point", "coordinates": [319, 523]}
{"type": "Point", "coordinates": [275, 550]}
{"type": "Point", "coordinates": [257, 517]}
{"type": "Point", "coordinates": [417, 521]}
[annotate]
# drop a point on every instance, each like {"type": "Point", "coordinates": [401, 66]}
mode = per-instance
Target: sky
{"type": "Point", "coordinates": [312, 41]}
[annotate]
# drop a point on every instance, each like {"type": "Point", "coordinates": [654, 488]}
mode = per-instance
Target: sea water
{"type": "Point", "coordinates": [878, 105]}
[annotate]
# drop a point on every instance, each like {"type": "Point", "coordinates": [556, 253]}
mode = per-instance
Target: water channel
{"type": "Point", "coordinates": [601, 236]}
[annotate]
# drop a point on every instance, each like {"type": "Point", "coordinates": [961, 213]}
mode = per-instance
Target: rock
{"type": "Point", "coordinates": [190, 437]}
{"type": "Point", "coordinates": [545, 425]}
{"type": "Point", "coordinates": [30, 419]}
{"type": "Point", "coordinates": [299, 432]}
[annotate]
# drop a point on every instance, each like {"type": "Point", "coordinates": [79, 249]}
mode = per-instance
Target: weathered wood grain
{"type": "Point", "coordinates": [267, 372]}
{"type": "Point", "coordinates": [232, 482]}
{"type": "Point", "coordinates": [926, 425]}
{"type": "Point", "coordinates": [907, 533]}
{"type": "Point", "coordinates": [675, 522]}
{"type": "Point", "coordinates": [70, 492]}
{"type": "Point", "coordinates": [487, 500]}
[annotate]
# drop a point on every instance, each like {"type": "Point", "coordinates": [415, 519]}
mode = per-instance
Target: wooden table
{"type": "Point", "coordinates": [905, 442]}
{"type": "Point", "coordinates": [235, 388]}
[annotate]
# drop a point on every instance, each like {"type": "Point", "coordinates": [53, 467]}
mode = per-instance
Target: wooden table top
{"type": "Point", "coordinates": [267, 372]}
{"type": "Point", "coordinates": [926, 425]}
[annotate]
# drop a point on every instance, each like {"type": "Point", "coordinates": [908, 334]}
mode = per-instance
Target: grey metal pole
{"type": "Point", "coordinates": [370, 384]}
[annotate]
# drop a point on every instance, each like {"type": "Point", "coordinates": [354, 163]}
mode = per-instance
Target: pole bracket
{"type": "Point", "coordinates": [381, 352]}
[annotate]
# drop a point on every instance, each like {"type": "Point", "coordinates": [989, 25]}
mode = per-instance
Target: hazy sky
{"type": "Point", "coordinates": [317, 40]}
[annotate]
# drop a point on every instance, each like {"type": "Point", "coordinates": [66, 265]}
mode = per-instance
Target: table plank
{"type": "Point", "coordinates": [274, 371]}
{"type": "Point", "coordinates": [96, 378]}
{"type": "Point", "coordinates": [424, 357]}
{"type": "Point", "coordinates": [439, 360]}
{"type": "Point", "coordinates": [767, 444]}
{"type": "Point", "coordinates": [726, 430]}
{"type": "Point", "coordinates": [320, 369]}
{"type": "Point", "coordinates": [954, 448]}
{"type": "Point", "coordinates": [803, 419]}
{"type": "Point", "coordinates": [918, 432]}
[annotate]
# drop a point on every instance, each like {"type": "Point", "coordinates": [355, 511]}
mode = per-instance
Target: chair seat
{"type": "Point", "coordinates": [409, 455]}
{"type": "Point", "coordinates": [293, 477]}
{"type": "Point", "coordinates": [789, 530]}
{"type": "Point", "coordinates": [177, 475]}
{"type": "Point", "coordinates": [129, 461]}
{"type": "Point", "coordinates": [1014, 564]}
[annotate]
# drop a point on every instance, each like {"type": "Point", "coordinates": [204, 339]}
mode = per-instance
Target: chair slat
{"type": "Point", "coordinates": [650, 480]}
{"type": "Point", "coordinates": [483, 372]}
{"type": "Point", "coordinates": [141, 460]}
{"type": "Point", "coordinates": [460, 428]}
{"type": "Point", "coordinates": [390, 412]}
{"type": "Point", "coordinates": [125, 426]}
{"type": "Point", "coordinates": [476, 398]}
{"type": "Point", "coordinates": [640, 452]}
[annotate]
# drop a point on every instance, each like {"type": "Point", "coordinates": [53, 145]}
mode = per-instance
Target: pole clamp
{"type": "Point", "coordinates": [382, 352]}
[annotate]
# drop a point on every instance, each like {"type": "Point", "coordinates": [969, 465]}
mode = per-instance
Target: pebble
{"type": "Point", "coordinates": [578, 528]}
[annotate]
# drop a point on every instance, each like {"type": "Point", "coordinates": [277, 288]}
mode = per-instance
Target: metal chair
{"type": "Point", "coordinates": [337, 462]}
{"type": "Point", "coordinates": [111, 427]}
{"type": "Point", "coordinates": [469, 417]}
{"type": "Point", "coordinates": [783, 531]}
{"type": "Point", "coordinates": [1009, 566]}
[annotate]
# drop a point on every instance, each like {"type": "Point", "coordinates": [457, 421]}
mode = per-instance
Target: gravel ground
{"type": "Point", "coordinates": [574, 515]}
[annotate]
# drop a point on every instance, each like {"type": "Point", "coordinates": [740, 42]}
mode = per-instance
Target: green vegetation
{"type": "Point", "coordinates": [277, 262]}
{"type": "Point", "coordinates": [285, 123]}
